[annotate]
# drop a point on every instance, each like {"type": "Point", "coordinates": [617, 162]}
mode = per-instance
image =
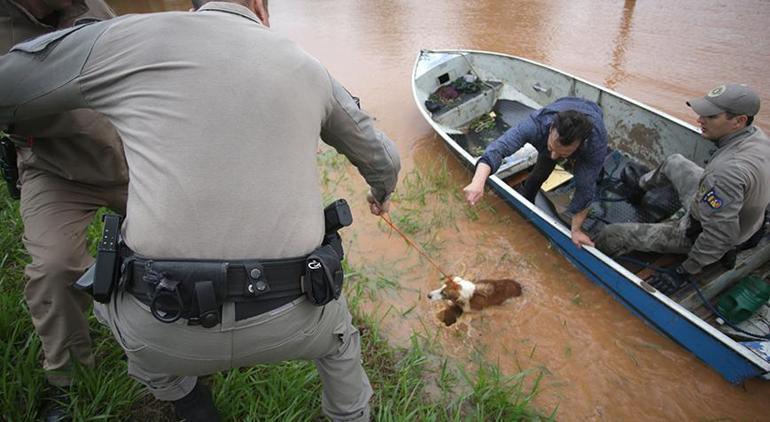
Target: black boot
{"type": "Point", "coordinates": [197, 406]}
{"type": "Point", "coordinates": [56, 404]}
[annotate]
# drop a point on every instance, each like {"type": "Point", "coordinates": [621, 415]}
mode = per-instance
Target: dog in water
{"type": "Point", "coordinates": [465, 295]}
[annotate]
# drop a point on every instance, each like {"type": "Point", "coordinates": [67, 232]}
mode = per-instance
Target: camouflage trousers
{"type": "Point", "coordinates": [667, 237]}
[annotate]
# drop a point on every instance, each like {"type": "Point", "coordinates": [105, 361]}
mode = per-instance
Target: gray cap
{"type": "Point", "coordinates": [732, 98]}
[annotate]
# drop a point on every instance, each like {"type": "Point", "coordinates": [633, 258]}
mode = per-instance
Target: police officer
{"type": "Point", "coordinates": [570, 127]}
{"type": "Point", "coordinates": [70, 165]}
{"type": "Point", "coordinates": [725, 202]}
{"type": "Point", "coordinates": [220, 119]}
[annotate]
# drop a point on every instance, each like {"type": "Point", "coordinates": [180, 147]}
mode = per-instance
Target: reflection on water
{"type": "Point", "coordinates": [603, 363]}
{"type": "Point", "coordinates": [619, 51]}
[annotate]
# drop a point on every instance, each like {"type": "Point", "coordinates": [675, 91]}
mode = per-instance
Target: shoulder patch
{"type": "Point", "coordinates": [711, 199]}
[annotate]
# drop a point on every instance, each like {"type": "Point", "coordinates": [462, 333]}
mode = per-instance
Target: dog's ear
{"type": "Point", "coordinates": [450, 314]}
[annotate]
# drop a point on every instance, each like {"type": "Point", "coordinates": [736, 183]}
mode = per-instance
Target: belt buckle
{"type": "Point", "coordinates": [256, 284]}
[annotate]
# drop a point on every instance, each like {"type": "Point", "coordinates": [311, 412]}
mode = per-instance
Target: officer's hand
{"type": "Point", "coordinates": [375, 207]}
{"type": "Point", "coordinates": [473, 192]}
{"type": "Point", "coordinates": [579, 238]}
{"type": "Point", "coordinates": [669, 282]}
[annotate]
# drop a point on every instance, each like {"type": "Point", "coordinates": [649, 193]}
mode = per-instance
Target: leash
{"type": "Point", "coordinates": [385, 217]}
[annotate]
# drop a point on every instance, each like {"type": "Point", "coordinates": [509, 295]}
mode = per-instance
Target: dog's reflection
{"type": "Point", "coordinates": [465, 295]}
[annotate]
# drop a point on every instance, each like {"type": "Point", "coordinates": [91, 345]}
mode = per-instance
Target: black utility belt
{"type": "Point", "coordinates": [195, 290]}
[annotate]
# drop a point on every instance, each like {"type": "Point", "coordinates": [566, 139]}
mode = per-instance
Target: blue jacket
{"type": "Point", "coordinates": [589, 157]}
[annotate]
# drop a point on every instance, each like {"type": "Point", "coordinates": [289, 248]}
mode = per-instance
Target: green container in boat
{"type": "Point", "coordinates": [740, 302]}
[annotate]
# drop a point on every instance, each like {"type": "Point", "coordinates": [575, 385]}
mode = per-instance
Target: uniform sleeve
{"type": "Point", "coordinates": [720, 198]}
{"type": "Point", "coordinates": [511, 141]}
{"type": "Point", "coordinates": [352, 133]}
{"type": "Point", "coordinates": [40, 76]}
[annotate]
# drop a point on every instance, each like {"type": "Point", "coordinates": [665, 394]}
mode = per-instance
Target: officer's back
{"type": "Point", "coordinates": [227, 170]}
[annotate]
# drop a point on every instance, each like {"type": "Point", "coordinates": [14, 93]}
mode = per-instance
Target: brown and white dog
{"type": "Point", "coordinates": [465, 295]}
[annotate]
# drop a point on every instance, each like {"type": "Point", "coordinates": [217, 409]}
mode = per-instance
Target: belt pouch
{"type": "Point", "coordinates": [323, 278]}
{"type": "Point", "coordinates": [201, 286]}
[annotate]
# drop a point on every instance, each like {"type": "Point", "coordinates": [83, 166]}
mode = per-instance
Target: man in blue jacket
{"type": "Point", "coordinates": [571, 128]}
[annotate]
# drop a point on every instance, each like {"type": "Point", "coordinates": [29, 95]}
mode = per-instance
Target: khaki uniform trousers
{"type": "Point", "coordinates": [56, 214]}
{"type": "Point", "coordinates": [167, 358]}
{"type": "Point", "coordinates": [668, 237]}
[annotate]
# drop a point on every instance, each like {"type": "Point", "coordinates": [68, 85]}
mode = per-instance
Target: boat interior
{"type": "Point", "coordinates": [474, 98]}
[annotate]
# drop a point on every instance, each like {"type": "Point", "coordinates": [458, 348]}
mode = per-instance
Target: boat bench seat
{"type": "Point", "coordinates": [469, 107]}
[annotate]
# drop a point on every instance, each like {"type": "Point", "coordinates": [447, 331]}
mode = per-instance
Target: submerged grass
{"type": "Point", "coordinates": [426, 200]}
{"type": "Point", "coordinates": [410, 383]}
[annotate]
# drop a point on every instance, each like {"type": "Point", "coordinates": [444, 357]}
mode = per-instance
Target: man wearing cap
{"type": "Point", "coordinates": [725, 202]}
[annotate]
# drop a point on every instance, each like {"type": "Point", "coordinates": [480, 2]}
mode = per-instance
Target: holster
{"type": "Point", "coordinates": [9, 167]}
{"type": "Point", "coordinates": [694, 228]}
{"type": "Point", "coordinates": [106, 268]}
{"type": "Point", "coordinates": [323, 276]}
{"type": "Point", "coordinates": [323, 272]}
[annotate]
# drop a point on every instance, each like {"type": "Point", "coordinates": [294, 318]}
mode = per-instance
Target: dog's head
{"type": "Point", "coordinates": [458, 290]}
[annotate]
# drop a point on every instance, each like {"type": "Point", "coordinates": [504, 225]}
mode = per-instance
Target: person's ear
{"type": "Point", "coordinates": [260, 8]}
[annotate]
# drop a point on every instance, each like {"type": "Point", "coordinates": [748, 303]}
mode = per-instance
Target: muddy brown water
{"type": "Point", "coordinates": [602, 362]}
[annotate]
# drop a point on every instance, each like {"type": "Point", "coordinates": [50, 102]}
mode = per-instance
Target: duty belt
{"type": "Point", "coordinates": [195, 290]}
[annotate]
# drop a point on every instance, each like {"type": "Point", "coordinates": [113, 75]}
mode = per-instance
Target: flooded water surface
{"type": "Point", "coordinates": [601, 361]}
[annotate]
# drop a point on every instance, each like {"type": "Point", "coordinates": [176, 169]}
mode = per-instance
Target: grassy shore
{"type": "Point", "coordinates": [412, 383]}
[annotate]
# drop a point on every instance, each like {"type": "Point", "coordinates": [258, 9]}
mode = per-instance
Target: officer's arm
{"type": "Point", "coordinates": [352, 133]}
{"type": "Point", "coordinates": [720, 198]}
{"type": "Point", "coordinates": [41, 76]}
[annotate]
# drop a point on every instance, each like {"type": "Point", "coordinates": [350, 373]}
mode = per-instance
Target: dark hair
{"type": "Point", "coordinates": [749, 119]}
{"type": "Point", "coordinates": [572, 126]}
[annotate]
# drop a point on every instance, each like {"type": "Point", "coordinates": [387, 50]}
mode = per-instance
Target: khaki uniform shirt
{"type": "Point", "coordinates": [220, 118]}
{"type": "Point", "coordinates": [79, 145]}
{"type": "Point", "coordinates": [733, 194]}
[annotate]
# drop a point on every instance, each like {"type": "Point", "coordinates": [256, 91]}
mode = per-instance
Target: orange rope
{"type": "Point", "coordinates": [412, 244]}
